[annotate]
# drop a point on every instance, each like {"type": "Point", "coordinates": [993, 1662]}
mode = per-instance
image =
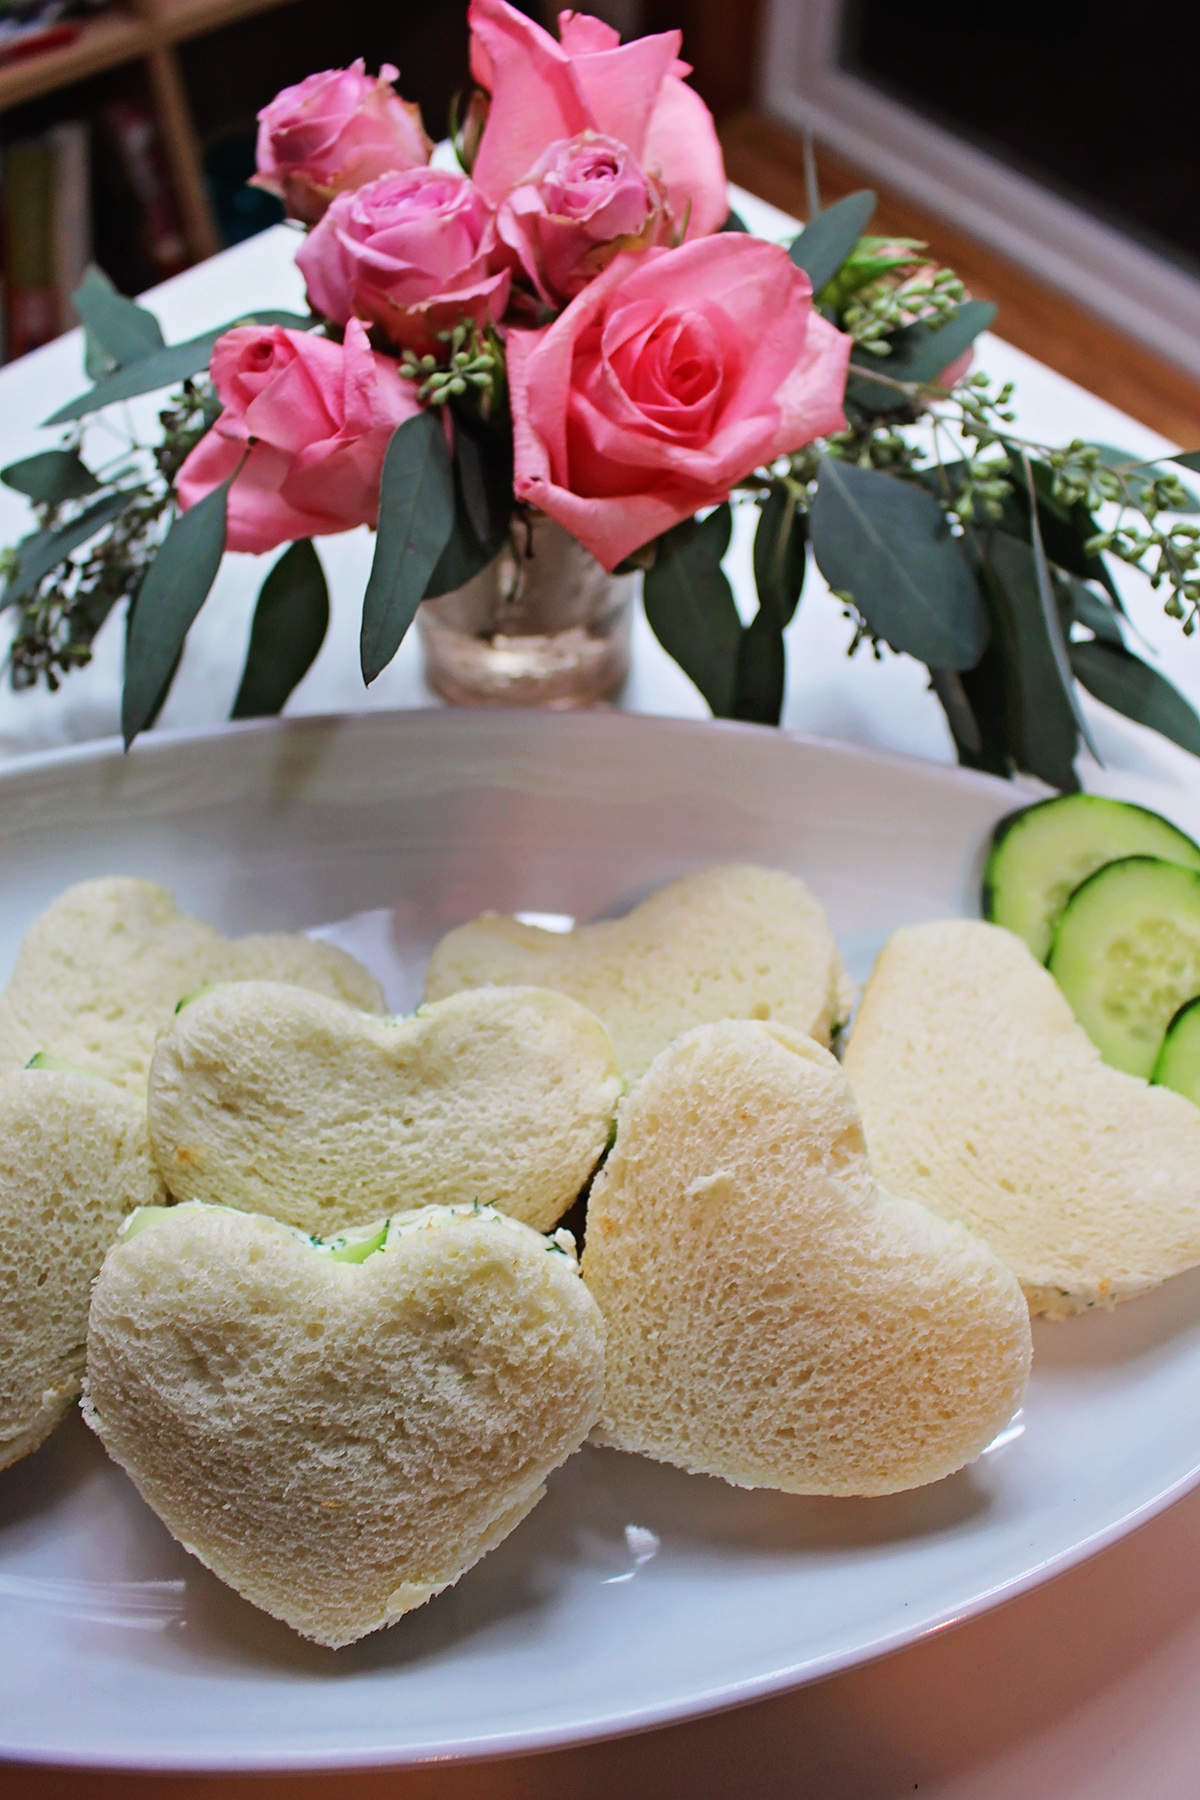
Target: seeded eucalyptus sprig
{"type": "Point", "coordinates": [59, 614]}
{"type": "Point", "coordinates": [473, 365]}
{"type": "Point", "coordinates": [942, 532]}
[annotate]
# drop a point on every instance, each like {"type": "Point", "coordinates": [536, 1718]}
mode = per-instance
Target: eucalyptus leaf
{"type": "Point", "coordinates": [291, 617]}
{"type": "Point", "coordinates": [164, 367]}
{"type": "Point", "coordinates": [827, 240]}
{"type": "Point", "coordinates": [690, 606]}
{"type": "Point", "coordinates": [1140, 475]}
{"type": "Point", "coordinates": [733, 222]}
{"type": "Point", "coordinates": [51, 477]}
{"type": "Point", "coordinates": [1065, 530]}
{"type": "Point", "coordinates": [124, 331]}
{"type": "Point", "coordinates": [1088, 609]}
{"type": "Point", "coordinates": [484, 464]}
{"type": "Point", "coordinates": [96, 360]}
{"type": "Point", "coordinates": [1133, 688]}
{"type": "Point", "coordinates": [1187, 459]}
{"type": "Point", "coordinates": [780, 561]}
{"type": "Point", "coordinates": [1055, 636]}
{"type": "Point", "coordinates": [43, 551]}
{"type": "Point", "coordinates": [416, 518]}
{"type": "Point", "coordinates": [780, 555]}
{"type": "Point", "coordinates": [483, 503]}
{"type": "Point", "coordinates": [887, 543]}
{"type": "Point", "coordinates": [176, 586]}
{"type": "Point", "coordinates": [1038, 709]}
{"type": "Point", "coordinates": [965, 729]}
{"type": "Point", "coordinates": [918, 354]}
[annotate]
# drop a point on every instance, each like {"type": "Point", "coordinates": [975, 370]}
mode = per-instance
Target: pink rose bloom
{"type": "Point", "coordinates": [584, 201]}
{"type": "Point", "coordinates": [322, 415]}
{"type": "Point", "coordinates": [412, 252]}
{"type": "Point", "coordinates": [543, 91]}
{"type": "Point", "coordinates": [336, 131]}
{"type": "Point", "coordinates": [669, 379]}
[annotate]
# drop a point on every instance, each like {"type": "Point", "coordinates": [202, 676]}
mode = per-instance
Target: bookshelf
{"type": "Point", "coordinates": [147, 31]}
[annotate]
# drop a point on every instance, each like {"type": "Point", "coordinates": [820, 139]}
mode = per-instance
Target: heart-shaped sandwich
{"type": "Point", "coordinates": [74, 1159]}
{"type": "Point", "coordinates": [729, 943]}
{"type": "Point", "coordinates": [283, 1102]}
{"type": "Point", "coordinates": [99, 973]}
{"type": "Point", "coordinates": [772, 1316]}
{"type": "Point", "coordinates": [341, 1439]}
{"type": "Point", "coordinates": [984, 1099]}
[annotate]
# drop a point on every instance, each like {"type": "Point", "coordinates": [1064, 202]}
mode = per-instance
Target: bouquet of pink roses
{"type": "Point", "coordinates": [571, 323]}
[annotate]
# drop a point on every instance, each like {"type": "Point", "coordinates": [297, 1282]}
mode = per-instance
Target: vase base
{"type": "Point", "coordinates": [564, 672]}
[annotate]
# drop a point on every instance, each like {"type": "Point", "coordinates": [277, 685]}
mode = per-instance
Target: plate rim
{"type": "Point", "coordinates": [706, 1701]}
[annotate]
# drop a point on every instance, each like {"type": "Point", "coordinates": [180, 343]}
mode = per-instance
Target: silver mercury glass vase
{"type": "Point", "coordinates": [543, 625]}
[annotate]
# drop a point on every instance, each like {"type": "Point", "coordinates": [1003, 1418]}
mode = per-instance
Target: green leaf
{"type": "Point", "coordinates": [918, 354]}
{"type": "Point", "coordinates": [125, 332]}
{"type": "Point", "coordinates": [1089, 609]}
{"type": "Point", "coordinates": [780, 561]}
{"type": "Point", "coordinates": [1141, 475]}
{"type": "Point", "coordinates": [176, 586]}
{"type": "Point", "coordinates": [965, 729]}
{"type": "Point", "coordinates": [733, 222]}
{"type": "Point", "coordinates": [826, 241]}
{"type": "Point", "coordinates": [51, 477]}
{"type": "Point", "coordinates": [483, 502]}
{"type": "Point", "coordinates": [1187, 459]}
{"type": "Point", "coordinates": [96, 360]}
{"type": "Point", "coordinates": [1130, 686]}
{"type": "Point", "coordinates": [1038, 719]}
{"type": "Point", "coordinates": [780, 555]}
{"type": "Point", "coordinates": [43, 551]}
{"type": "Point", "coordinates": [1055, 636]}
{"type": "Point", "coordinates": [163, 367]}
{"type": "Point", "coordinates": [886, 542]}
{"type": "Point", "coordinates": [291, 617]}
{"type": "Point", "coordinates": [690, 606]}
{"type": "Point", "coordinates": [1065, 530]}
{"type": "Point", "coordinates": [416, 517]}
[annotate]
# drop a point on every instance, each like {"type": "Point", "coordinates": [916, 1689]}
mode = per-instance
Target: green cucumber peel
{"type": "Point", "coordinates": [58, 1065]}
{"type": "Point", "coordinates": [206, 987]}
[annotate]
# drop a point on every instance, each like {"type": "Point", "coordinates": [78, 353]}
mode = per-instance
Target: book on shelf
{"type": "Point", "coordinates": [45, 232]}
{"type": "Point", "coordinates": [139, 229]}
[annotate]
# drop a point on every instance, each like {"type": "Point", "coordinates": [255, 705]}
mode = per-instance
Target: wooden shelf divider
{"type": "Point", "coordinates": [146, 32]}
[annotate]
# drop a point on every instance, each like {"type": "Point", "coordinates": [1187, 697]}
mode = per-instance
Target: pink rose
{"type": "Point", "coordinates": [543, 91]}
{"type": "Point", "coordinates": [411, 252]}
{"type": "Point", "coordinates": [336, 131]}
{"type": "Point", "coordinates": [669, 379]}
{"type": "Point", "coordinates": [322, 415]}
{"type": "Point", "coordinates": [585, 200]}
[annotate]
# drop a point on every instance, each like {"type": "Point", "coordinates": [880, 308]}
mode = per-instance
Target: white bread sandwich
{"type": "Point", "coordinates": [74, 1159]}
{"type": "Point", "coordinates": [99, 973]}
{"type": "Point", "coordinates": [339, 1433]}
{"type": "Point", "coordinates": [283, 1102]}
{"type": "Point", "coordinates": [772, 1316]}
{"type": "Point", "coordinates": [985, 1100]}
{"type": "Point", "coordinates": [729, 943]}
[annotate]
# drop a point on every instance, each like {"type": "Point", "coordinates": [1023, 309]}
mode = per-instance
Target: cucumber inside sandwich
{"type": "Point", "coordinates": [1040, 855]}
{"type": "Point", "coordinates": [1127, 956]}
{"type": "Point", "coordinates": [1178, 1064]}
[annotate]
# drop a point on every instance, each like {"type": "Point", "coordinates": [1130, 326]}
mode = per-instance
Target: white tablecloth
{"type": "Point", "coordinates": [1088, 1688]}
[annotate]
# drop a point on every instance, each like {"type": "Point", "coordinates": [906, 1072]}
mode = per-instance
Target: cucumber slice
{"type": "Point", "coordinates": [1178, 1064]}
{"type": "Point", "coordinates": [1040, 855]}
{"type": "Point", "coordinates": [1127, 956]}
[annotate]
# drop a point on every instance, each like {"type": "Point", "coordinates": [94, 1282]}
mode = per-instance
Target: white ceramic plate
{"type": "Point", "coordinates": [634, 1594]}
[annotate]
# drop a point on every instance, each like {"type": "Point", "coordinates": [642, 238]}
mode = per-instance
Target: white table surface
{"type": "Point", "coordinates": [1088, 1688]}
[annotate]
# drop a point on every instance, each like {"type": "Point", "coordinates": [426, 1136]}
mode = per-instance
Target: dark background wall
{"type": "Point", "coordinates": [1094, 97]}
